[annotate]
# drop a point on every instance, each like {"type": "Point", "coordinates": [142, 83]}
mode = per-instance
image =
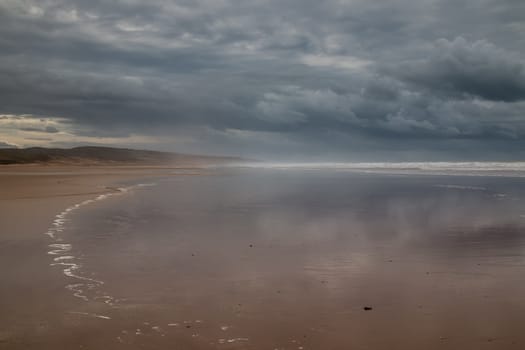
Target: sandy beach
{"type": "Point", "coordinates": [32, 294]}
{"type": "Point", "coordinates": [262, 175]}
{"type": "Point", "coordinates": [260, 260]}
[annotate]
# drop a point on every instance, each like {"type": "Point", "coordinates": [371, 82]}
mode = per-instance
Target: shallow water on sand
{"type": "Point", "coordinates": [289, 259]}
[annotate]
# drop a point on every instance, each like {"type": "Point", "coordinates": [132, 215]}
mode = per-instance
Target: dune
{"type": "Point", "coordinates": [91, 155]}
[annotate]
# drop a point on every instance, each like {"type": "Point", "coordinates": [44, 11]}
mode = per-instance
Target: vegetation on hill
{"type": "Point", "coordinates": [101, 155]}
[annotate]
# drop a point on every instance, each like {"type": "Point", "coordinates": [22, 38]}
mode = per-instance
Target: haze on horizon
{"type": "Point", "coordinates": [356, 80]}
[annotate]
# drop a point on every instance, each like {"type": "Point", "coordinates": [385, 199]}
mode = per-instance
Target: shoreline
{"type": "Point", "coordinates": [341, 275]}
{"type": "Point", "coordinates": [60, 249]}
{"type": "Point", "coordinates": [31, 199]}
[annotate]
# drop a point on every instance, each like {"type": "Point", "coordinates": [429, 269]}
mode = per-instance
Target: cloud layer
{"type": "Point", "coordinates": [294, 79]}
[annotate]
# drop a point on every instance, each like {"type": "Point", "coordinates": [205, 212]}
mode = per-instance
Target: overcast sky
{"type": "Point", "coordinates": [358, 80]}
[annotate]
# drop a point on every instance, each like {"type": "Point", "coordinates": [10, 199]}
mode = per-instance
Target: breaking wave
{"type": "Point", "coordinates": [467, 168]}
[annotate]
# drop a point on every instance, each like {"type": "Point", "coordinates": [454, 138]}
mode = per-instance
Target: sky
{"type": "Point", "coordinates": [334, 80]}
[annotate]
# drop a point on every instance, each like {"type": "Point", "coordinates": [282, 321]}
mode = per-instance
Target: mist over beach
{"type": "Point", "coordinates": [262, 174]}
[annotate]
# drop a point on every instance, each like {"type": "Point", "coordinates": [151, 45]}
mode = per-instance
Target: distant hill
{"type": "Point", "coordinates": [102, 156]}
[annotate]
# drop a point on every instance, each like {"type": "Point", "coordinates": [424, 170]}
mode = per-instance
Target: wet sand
{"type": "Point", "coordinates": [32, 295]}
{"type": "Point", "coordinates": [266, 260]}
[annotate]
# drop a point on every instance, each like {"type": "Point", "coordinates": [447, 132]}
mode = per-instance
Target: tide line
{"type": "Point", "coordinates": [62, 251]}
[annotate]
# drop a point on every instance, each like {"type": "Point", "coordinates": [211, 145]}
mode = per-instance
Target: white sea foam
{"type": "Point", "coordinates": [151, 184]}
{"type": "Point", "coordinates": [467, 168]}
{"type": "Point", "coordinates": [63, 251]}
{"type": "Point", "coordinates": [232, 340]}
{"type": "Point", "coordinates": [63, 257]}
{"type": "Point", "coordinates": [103, 317]}
{"type": "Point", "coordinates": [459, 187]}
{"type": "Point", "coordinates": [59, 248]}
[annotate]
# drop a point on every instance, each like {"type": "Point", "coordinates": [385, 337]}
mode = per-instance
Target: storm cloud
{"type": "Point", "coordinates": [294, 79]}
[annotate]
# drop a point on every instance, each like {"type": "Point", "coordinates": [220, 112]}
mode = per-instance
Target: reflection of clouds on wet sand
{"type": "Point", "coordinates": [260, 261]}
{"type": "Point", "coordinates": [397, 221]}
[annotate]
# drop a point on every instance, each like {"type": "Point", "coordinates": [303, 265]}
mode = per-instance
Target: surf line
{"type": "Point", "coordinates": [62, 251]}
{"type": "Point", "coordinates": [90, 315]}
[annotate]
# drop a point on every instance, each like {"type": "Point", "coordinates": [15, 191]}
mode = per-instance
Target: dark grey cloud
{"type": "Point", "coordinates": [397, 79]}
{"type": "Point", "coordinates": [47, 129]}
{"type": "Point", "coordinates": [477, 69]}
